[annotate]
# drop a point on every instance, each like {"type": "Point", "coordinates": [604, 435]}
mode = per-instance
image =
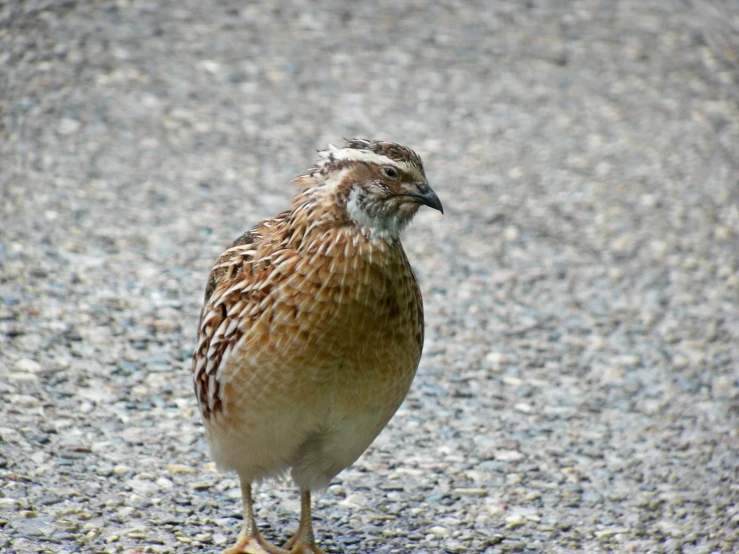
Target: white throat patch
{"type": "Point", "coordinates": [388, 228]}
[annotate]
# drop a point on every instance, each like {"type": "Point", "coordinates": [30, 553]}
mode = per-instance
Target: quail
{"type": "Point", "coordinates": [312, 329]}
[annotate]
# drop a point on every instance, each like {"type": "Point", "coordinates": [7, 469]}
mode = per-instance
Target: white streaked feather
{"type": "Point", "coordinates": [207, 319]}
{"type": "Point", "coordinates": [203, 340]}
{"type": "Point", "coordinates": [238, 286]}
{"type": "Point", "coordinates": [231, 327]}
{"type": "Point", "coordinates": [199, 365]}
{"type": "Point", "coordinates": [283, 265]}
{"type": "Point", "coordinates": [221, 331]}
{"type": "Point", "coordinates": [210, 366]}
{"type": "Point", "coordinates": [214, 343]}
{"type": "Point", "coordinates": [235, 308]}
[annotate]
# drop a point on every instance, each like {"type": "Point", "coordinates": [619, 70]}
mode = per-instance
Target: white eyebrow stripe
{"type": "Point", "coordinates": [366, 156]}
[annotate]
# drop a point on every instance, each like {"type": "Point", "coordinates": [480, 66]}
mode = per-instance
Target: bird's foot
{"type": "Point", "coordinates": [254, 544]}
{"type": "Point", "coordinates": [305, 549]}
{"type": "Point", "coordinates": [294, 547]}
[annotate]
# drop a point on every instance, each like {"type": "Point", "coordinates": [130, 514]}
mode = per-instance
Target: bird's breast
{"type": "Point", "coordinates": [352, 306]}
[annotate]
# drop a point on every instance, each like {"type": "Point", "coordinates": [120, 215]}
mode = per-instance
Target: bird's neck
{"type": "Point", "coordinates": [317, 210]}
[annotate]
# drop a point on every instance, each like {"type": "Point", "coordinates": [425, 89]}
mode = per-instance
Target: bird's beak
{"type": "Point", "coordinates": [426, 196]}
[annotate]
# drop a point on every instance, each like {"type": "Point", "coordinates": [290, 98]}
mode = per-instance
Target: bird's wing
{"type": "Point", "coordinates": [231, 261]}
{"type": "Point", "coordinates": [219, 330]}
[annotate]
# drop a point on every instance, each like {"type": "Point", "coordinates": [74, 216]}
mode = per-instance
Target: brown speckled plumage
{"type": "Point", "coordinates": [312, 327]}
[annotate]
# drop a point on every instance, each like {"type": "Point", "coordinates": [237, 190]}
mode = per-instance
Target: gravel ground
{"type": "Point", "coordinates": [579, 389]}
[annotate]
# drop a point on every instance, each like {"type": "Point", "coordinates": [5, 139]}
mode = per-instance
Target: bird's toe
{"type": "Point", "coordinates": [306, 549]}
{"type": "Point", "coordinates": [254, 545]}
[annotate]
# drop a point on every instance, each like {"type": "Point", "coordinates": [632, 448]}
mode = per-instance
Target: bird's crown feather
{"type": "Point", "coordinates": [358, 150]}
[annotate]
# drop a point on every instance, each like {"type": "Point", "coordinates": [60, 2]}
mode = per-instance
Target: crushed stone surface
{"type": "Point", "coordinates": [579, 389]}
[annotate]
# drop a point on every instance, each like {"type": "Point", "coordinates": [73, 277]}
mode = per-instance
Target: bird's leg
{"type": "Point", "coordinates": [250, 540]}
{"type": "Point", "coordinates": [304, 542]}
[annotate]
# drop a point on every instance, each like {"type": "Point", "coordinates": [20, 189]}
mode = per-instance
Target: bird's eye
{"type": "Point", "coordinates": [390, 172]}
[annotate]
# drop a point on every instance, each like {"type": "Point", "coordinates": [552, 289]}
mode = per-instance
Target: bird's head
{"type": "Point", "coordinates": [379, 185]}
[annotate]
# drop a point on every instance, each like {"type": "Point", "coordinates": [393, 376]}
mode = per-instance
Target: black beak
{"type": "Point", "coordinates": [426, 196]}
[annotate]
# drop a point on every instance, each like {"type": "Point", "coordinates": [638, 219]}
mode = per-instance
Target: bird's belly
{"type": "Point", "coordinates": [335, 445]}
{"type": "Point", "coordinates": [314, 412]}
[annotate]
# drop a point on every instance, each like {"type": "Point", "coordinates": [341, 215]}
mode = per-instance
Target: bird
{"type": "Point", "coordinates": [312, 329]}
